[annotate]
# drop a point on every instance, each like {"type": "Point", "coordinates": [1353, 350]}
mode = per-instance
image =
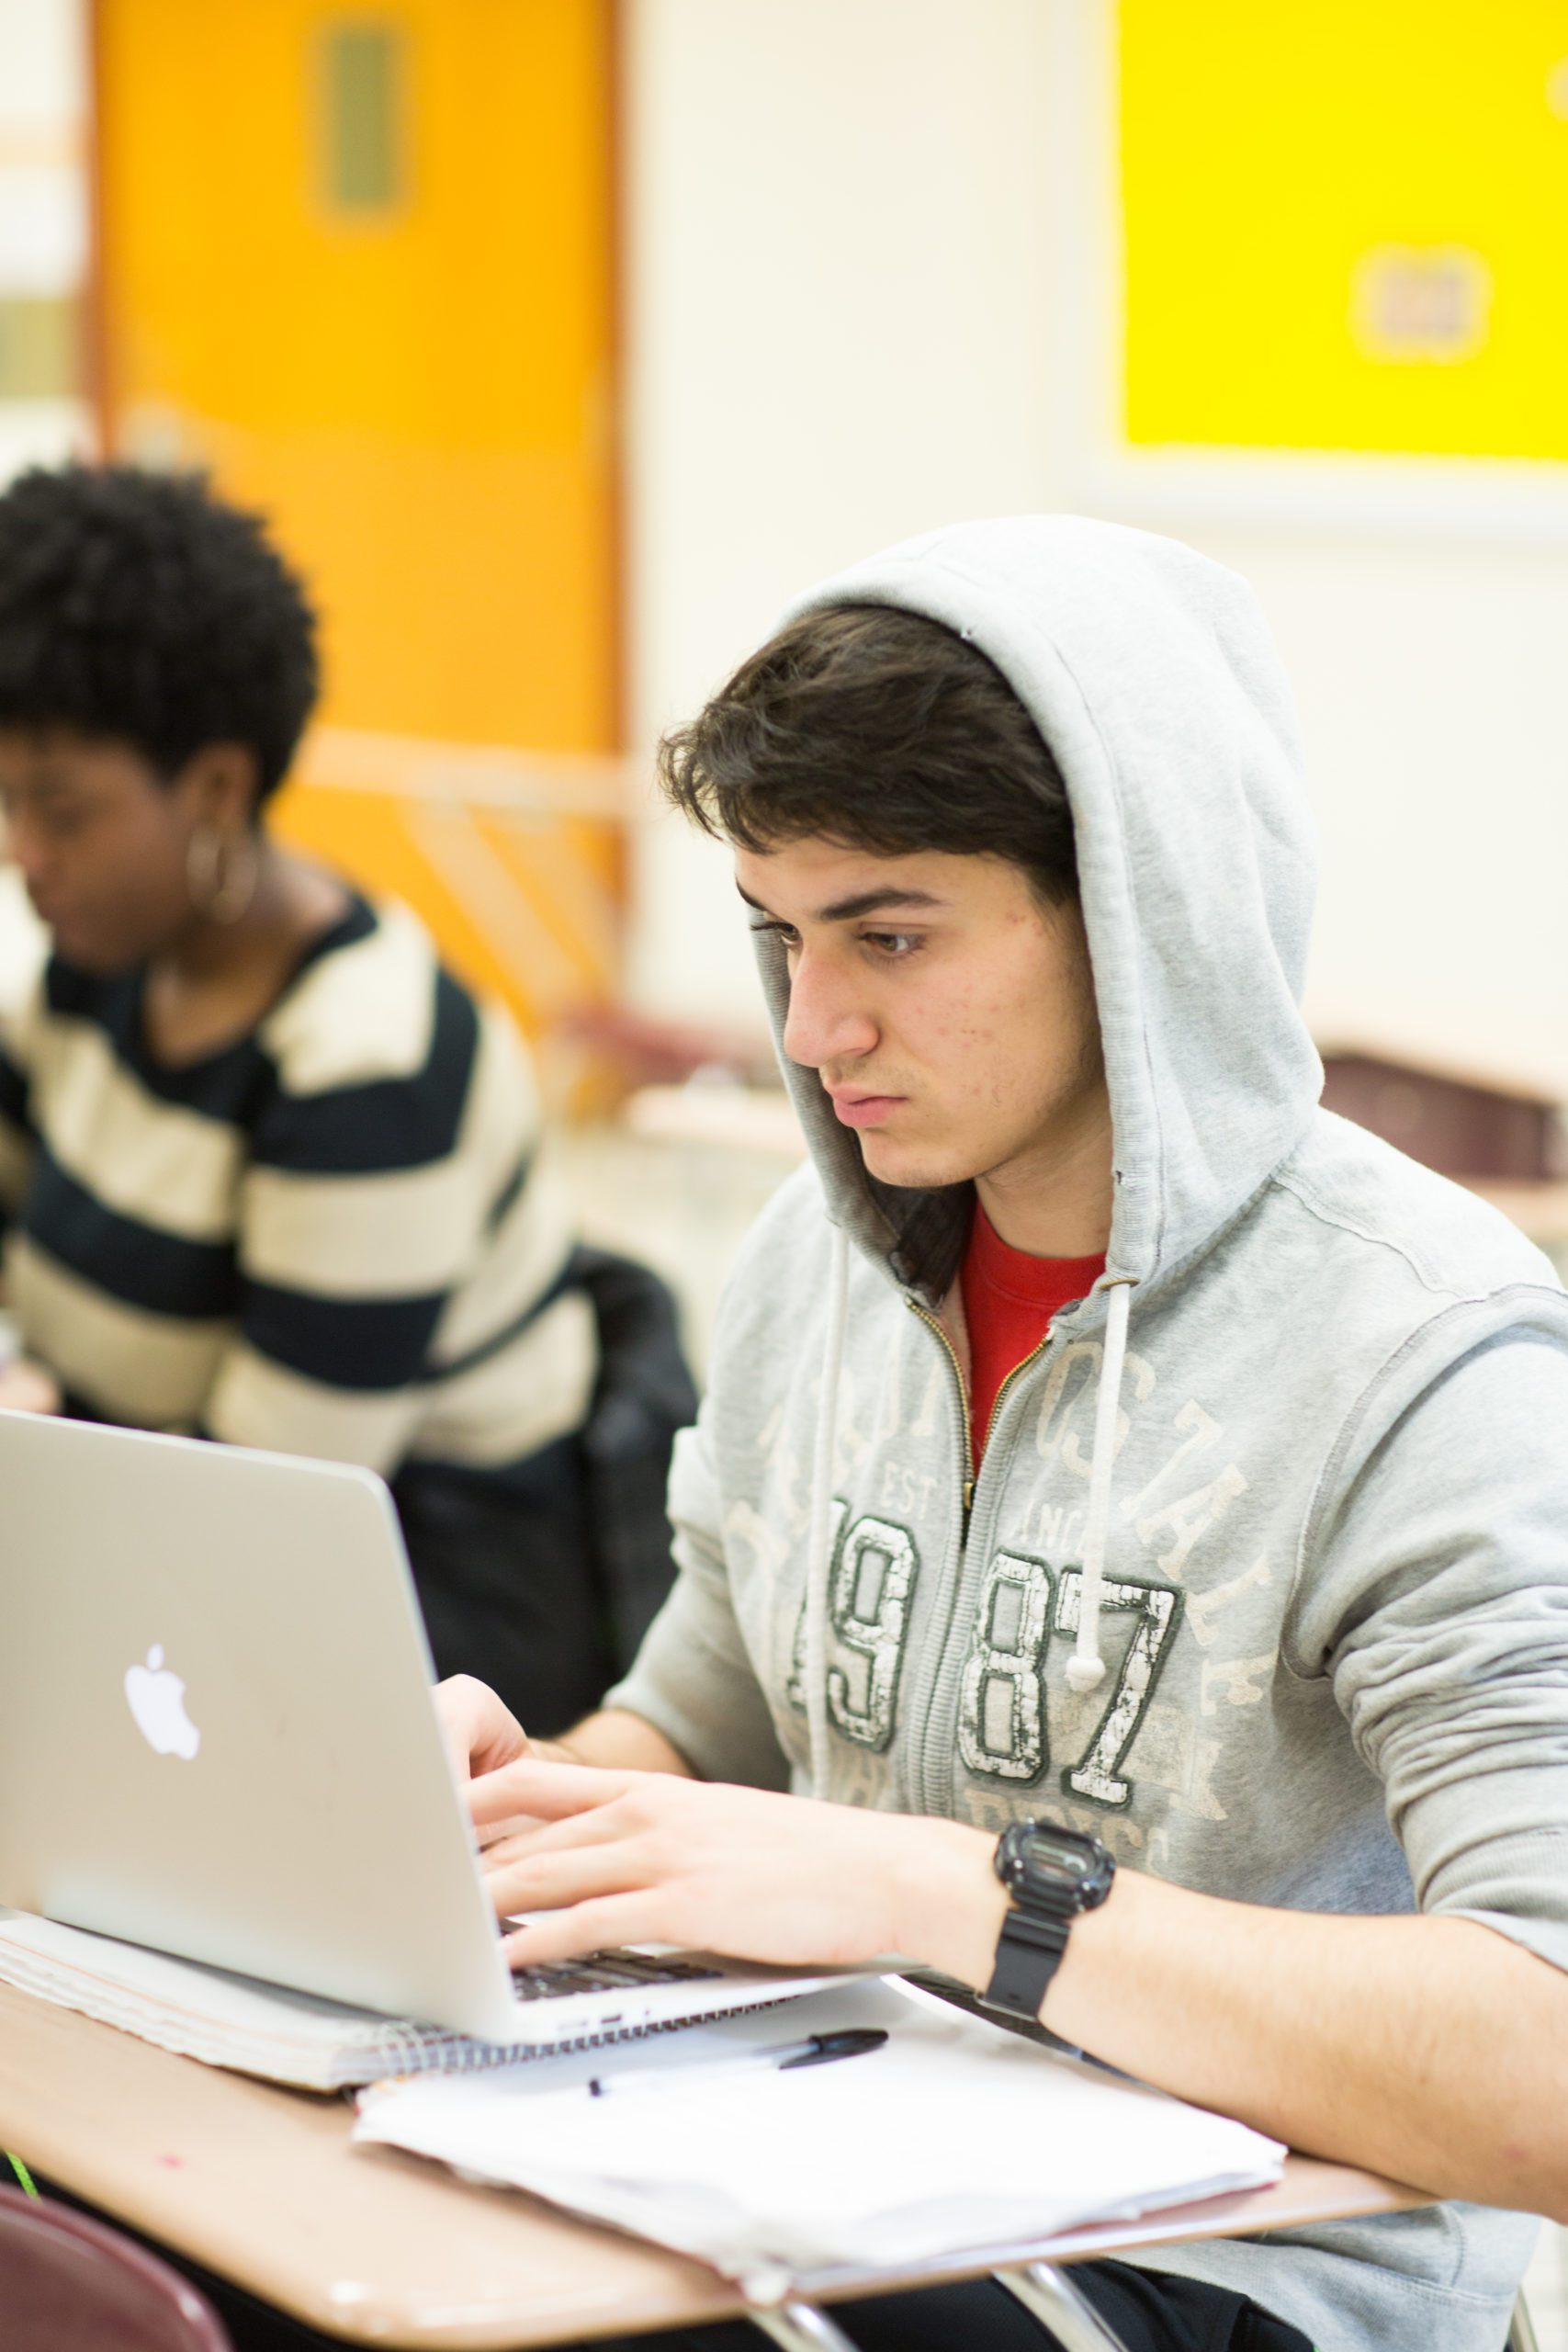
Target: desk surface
{"type": "Point", "coordinates": [261, 2186]}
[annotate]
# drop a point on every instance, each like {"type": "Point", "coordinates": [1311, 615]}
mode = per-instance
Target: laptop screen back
{"type": "Point", "coordinates": [216, 1731]}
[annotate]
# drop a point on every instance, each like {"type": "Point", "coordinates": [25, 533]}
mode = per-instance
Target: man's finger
{"type": "Point", "coordinates": [514, 1824]}
{"type": "Point", "coordinates": [555, 1881]}
{"type": "Point", "coordinates": [481, 1731]}
{"type": "Point", "coordinates": [522, 1834]}
{"type": "Point", "coordinates": [598, 1926]}
{"type": "Point", "coordinates": [550, 1791]}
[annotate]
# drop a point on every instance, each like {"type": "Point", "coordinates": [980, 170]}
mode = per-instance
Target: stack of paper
{"type": "Point", "coordinates": [955, 2137]}
{"type": "Point", "coordinates": [225, 2019]}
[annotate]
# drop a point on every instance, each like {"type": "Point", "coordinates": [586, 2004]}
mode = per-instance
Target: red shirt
{"type": "Point", "coordinates": [1008, 1301]}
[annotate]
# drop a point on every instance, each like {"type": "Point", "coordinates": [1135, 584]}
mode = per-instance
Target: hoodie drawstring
{"type": "Point", "coordinates": [821, 1533]}
{"type": "Point", "coordinates": [1085, 1668]}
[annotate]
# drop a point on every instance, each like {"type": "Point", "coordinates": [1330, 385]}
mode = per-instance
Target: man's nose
{"type": "Point", "coordinates": [828, 1019]}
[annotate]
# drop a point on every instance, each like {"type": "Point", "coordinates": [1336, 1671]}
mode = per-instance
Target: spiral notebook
{"type": "Point", "coordinates": [231, 2020]}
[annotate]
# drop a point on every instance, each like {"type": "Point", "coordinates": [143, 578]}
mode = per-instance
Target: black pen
{"type": "Point", "coordinates": [816, 2050]}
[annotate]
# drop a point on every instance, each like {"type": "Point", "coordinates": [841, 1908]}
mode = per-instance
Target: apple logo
{"type": "Point", "coordinates": [157, 1698]}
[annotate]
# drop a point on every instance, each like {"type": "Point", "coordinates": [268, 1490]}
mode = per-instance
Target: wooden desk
{"type": "Point", "coordinates": [261, 2186]}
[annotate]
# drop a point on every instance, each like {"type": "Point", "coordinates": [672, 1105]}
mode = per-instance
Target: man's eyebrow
{"type": "Point", "coordinates": [865, 903]}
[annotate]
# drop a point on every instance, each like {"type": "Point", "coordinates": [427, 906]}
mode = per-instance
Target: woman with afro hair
{"type": "Point", "coordinates": [268, 1173]}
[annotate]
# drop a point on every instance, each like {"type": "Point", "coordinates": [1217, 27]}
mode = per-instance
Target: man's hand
{"type": "Point", "coordinates": [648, 1858]}
{"type": "Point", "coordinates": [481, 1732]}
{"type": "Point", "coordinates": [484, 1735]}
{"type": "Point", "coordinates": [1433, 2049]}
{"type": "Point", "coordinates": [27, 1387]}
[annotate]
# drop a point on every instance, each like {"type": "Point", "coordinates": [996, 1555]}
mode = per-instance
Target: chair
{"type": "Point", "coordinates": [67, 2282]}
{"type": "Point", "coordinates": [1522, 2336]}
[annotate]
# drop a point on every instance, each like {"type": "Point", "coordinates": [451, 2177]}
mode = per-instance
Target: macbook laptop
{"type": "Point", "coordinates": [217, 1738]}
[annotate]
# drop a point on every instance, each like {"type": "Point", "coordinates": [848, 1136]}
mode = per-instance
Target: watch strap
{"type": "Point", "coordinates": [1029, 1954]}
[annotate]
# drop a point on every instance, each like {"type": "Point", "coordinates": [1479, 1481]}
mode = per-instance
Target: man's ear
{"type": "Point", "coordinates": [220, 785]}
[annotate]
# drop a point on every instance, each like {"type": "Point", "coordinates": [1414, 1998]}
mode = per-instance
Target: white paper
{"type": "Point", "coordinates": [956, 2136]}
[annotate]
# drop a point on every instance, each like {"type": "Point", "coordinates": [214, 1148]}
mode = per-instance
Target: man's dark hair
{"type": "Point", "coordinates": [138, 608]}
{"type": "Point", "coordinates": [880, 729]}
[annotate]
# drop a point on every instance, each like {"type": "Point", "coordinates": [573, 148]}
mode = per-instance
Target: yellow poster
{"type": "Point", "coordinates": [1346, 226]}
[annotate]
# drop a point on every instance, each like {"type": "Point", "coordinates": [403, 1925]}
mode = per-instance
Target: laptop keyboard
{"type": "Point", "coordinates": [606, 1972]}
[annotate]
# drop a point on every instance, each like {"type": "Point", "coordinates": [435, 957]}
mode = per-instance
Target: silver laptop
{"type": "Point", "coordinates": [217, 1738]}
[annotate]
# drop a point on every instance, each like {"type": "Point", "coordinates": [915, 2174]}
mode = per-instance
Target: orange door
{"type": "Point", "coordinates": [359, 261]}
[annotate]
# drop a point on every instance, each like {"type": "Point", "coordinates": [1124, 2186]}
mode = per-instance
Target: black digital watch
{"type": "Point", "coordinates": [1051, 1874]}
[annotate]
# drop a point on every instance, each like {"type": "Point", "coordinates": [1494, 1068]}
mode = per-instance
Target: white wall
{"type": "Point", "coordinates": [1430, 684]}
{"type": "Point", "coordinates": [837, 227]}
{"type": "Point", "coordinates": [43, 199]}
{"type": "Point", "coordinates": [869, 263]}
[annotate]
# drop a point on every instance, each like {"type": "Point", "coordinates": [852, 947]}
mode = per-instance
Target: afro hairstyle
{"type": "Point", "coordinates": [138, 608]}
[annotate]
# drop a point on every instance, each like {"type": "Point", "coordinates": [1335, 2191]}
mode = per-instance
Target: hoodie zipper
{"type": "Point", "coordinates": [1033, 1356]}
{"type": "Point", "coordinates": [966, 1483]}
{"type": "Point", "coordinates": [1017, 1373]}
{"type": "Point", "coordinates": [924, 1800]}
{"type": "Point", "coordinates": [927, 1799]}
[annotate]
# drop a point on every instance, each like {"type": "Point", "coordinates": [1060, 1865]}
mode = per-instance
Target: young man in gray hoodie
{"type": "Point", "coordinates": [1248, 1583]}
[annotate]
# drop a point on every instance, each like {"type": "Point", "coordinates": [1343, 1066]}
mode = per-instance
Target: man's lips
{"type": "Point", "coordinates": [858, 1108]}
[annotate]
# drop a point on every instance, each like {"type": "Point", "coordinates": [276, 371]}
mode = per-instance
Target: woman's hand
{"type": "Point", "coordinates": [27, 1387]}
{"type": "Point", "coordinates": [648, 1858]}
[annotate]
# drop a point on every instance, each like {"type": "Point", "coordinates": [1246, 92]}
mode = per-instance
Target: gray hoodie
{"type": "Point", "coordinates": [1265, 1581]}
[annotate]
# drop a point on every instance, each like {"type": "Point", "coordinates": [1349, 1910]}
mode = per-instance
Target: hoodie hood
{"type": "Point", "coordinates": [1151, 675]}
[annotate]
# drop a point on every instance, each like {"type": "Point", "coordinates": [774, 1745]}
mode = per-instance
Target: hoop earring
{"type": "Point", "coordinates": [221, 886]}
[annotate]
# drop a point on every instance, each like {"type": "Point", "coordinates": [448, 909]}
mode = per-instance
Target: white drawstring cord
{"type": "Point", "coordinates": [1085, 1668]}
{"type": "Point", "coordinates": [820, 1528]}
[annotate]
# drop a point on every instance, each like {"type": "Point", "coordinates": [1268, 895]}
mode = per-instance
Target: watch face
{"type": "Point", "coordinates": [1067, 1860]}
{"type": "Point", "coordinates": [1055, 1866]}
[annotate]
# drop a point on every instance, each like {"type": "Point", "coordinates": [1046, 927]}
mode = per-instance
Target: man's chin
{"type": "Point", "coordinates": [906, 1165]}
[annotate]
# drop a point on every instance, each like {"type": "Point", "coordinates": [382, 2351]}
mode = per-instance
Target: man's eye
{"type": "Point", "coordinates": [786, 931]}
{"type": "Point", "coordinates": [893, 942]}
